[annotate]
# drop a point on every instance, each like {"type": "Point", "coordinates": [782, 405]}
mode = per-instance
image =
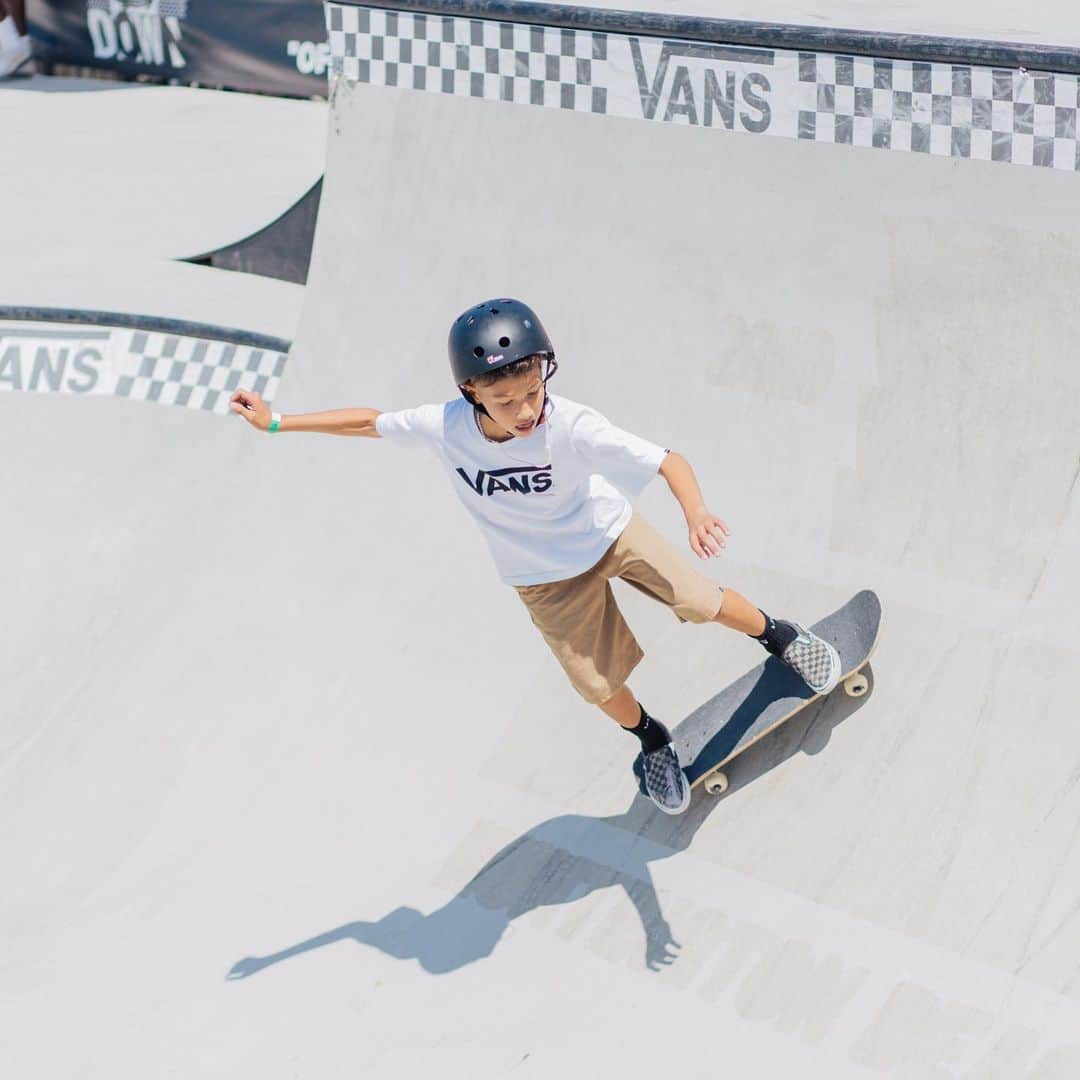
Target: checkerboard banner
{"type": "Point", "coordinates": [530, 65]}
{"type": "Point", "coordinates": [145, 365]}
{"type": "Point", "coordinates": [991, 114]}
{"type": "Point", "coordinates": [1004, 115]}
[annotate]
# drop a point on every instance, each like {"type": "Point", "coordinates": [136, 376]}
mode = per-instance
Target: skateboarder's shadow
{"type": "Point", "coordinates": [563, 860]}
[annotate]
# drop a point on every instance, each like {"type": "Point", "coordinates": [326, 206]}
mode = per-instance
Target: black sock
{"type": "Point", "coordinates": [650, 731]}
{"type": "Point", "coordinates": [778, 635]}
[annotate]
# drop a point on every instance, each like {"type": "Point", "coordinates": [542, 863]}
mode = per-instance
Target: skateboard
{"type": "Point", "coordinates": [760, 701]}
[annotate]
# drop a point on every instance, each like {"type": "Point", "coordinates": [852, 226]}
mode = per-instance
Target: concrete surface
{"type": "Point", "coordinates": [106, 185]}
{"type": "Point", "coordinates": [292, 787]}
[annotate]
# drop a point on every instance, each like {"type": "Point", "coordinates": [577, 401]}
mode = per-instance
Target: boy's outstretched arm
{"type": "Point", "coordinates": [707, 532]}
{"type": "Point", "coordinates": [256, 412]}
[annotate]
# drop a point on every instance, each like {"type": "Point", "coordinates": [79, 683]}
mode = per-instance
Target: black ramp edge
{"type": "Point", "coordinates": [892, 46]}
{"type": "Point", "coordinates": [150, 323]}
{"type": "Point", "coordinates": [280, 249]}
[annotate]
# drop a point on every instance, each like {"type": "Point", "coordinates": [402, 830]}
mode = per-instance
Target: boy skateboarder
{"type": "Point", "coordinates": [549, 482]}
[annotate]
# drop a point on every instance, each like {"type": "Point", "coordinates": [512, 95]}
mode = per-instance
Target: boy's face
{"type": "Point", "coordinates": [514, 403]}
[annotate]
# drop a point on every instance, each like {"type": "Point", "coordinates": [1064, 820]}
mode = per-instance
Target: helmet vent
{"type": "Point", "coordinates": [478, 351]}
{"type": "Point", "coordinates": [504, 343]}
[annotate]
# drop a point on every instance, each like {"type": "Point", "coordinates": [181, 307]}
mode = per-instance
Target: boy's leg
{"type": "Point", "coordinates": [582, 624]}
{"type": "Point", "coordinates": [815, 660]}
{"type": "Point", "coordinates": [646, 561]}
{"type": "Point", "coordinates": [665, 781]}
{"type": "Point", "coordinates": [737, 613]}
{"type": "Point", "coordinates": [623, 708]}
{"type": "Point", "coordinates": [631, 716]}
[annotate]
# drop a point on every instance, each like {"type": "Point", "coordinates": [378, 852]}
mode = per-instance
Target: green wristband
{"type": "Point", "coordinates": [275, 421]}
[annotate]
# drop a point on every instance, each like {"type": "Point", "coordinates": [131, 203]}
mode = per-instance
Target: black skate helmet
{"type": "Point", "coordinates": [492, 335]}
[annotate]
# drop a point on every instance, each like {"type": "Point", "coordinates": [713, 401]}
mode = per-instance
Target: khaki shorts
{"type": "Point", "coordinates": [583, 625]}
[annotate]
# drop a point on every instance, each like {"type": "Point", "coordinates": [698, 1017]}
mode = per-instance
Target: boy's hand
{"type": "Point", "coordinates": [708, 534]}
{"type": "Point", "coordinates": [251, 407]}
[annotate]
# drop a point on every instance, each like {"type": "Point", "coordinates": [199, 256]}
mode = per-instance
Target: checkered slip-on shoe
{"type": "Point", "coordinates": [665, 781]}
{"type": "Point", "coordinates": [814, 659]}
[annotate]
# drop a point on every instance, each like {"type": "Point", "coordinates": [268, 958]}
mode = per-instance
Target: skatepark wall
{"type": "Point", "coordinates": [867, 303]}
{"type": "Point", "coordinates": [986, 100]}
{"type": "Point", "coordinates": [858, 331]}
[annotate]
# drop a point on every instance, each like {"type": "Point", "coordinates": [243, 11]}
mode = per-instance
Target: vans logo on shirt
{"type": "Point", "coordinates": [524, 479]}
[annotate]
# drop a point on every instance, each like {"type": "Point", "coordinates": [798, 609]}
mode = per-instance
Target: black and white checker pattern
{"type": "Point", "coordinates": [195, 373]}
{"type": "Point", "coordinates": [951, 110]}
{"type": "Point", "coordinates": [1016, 117]}
{"type": "Point", "coordinates": [665, 781]}
{"type": "Point", "coordinates": [529, 65]}
{"type": "Point", "coordinates": [816, 661]}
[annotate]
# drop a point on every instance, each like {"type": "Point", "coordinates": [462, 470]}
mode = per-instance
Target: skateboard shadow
{"type": "Point", "coordinates": [807, 733]}
{"type": "Point", "coordinates": [563, 860]}
{"type": "Point", "coordinates": [777, 680]}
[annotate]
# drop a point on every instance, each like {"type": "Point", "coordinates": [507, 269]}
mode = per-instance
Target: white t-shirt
{"type": "Point", "coordinates": [549, 505]}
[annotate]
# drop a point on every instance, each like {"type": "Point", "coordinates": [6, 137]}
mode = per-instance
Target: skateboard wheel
{"type": "Point", "coordinates": [717, 784]}
{"type": "Point", "coordinates": [856, 685]}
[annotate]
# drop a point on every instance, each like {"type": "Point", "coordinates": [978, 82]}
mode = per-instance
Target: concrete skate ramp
{"type": "Point", "coordinates": [269, 714]}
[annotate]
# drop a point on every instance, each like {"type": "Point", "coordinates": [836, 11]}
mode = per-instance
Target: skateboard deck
{"type": "Point", "coordinates": [768, 695]}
